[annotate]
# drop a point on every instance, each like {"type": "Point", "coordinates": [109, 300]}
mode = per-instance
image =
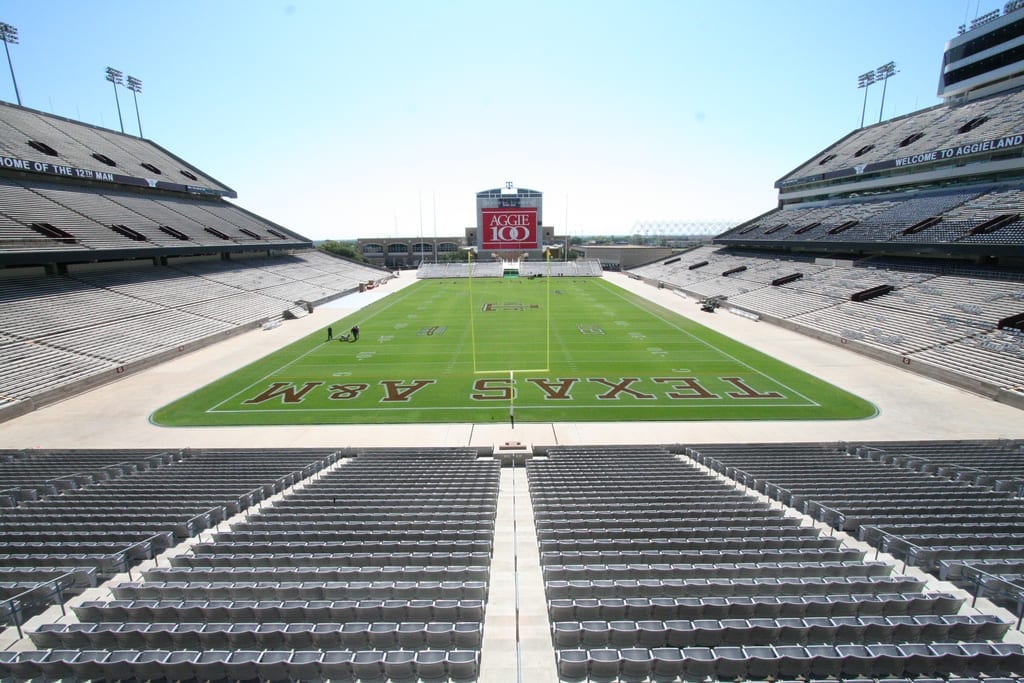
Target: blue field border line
{"type": "Point", "coordinates": [401, 296]}
{"type": "Point", "coordinates": [617, 293]}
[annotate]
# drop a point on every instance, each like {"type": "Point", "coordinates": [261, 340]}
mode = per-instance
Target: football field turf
{"type": "Point", "coordinates": [558, 349]}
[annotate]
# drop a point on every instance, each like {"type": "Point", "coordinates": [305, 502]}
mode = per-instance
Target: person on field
{"type": "Point", "coordinates": [355, 333]}
{"type": "Point", "coordinates": [330, 334]}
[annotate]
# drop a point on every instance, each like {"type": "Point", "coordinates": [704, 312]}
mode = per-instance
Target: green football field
{"type": "Point", "coordinates": [482, 350]}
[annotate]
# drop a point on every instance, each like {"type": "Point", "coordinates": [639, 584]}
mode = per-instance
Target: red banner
{"type": "Point", "coordinates": [509, 229]}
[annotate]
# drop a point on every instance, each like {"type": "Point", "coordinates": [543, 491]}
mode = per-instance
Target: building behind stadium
{"type": "Point", "coordinates": [509, 227]}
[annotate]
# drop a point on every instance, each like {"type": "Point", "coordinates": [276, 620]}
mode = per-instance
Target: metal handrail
{"type": "Point", "coordinates": [901, 539]}
{"type": "Point", "coordinates": [980, 575]}
{"type": "Point", "coordinates": [14, 492]}
{"type": "Point", "coordinates": [127, 550]}
{"type": "Point", "coordinates": [835, 512]}
{"type": "Point", "coordinates": [13, 604]}
{"type": "Point", "coordinates": [188, 522]}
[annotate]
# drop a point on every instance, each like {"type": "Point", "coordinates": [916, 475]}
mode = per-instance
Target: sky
{"type": "Point", "coordinates": [341, 119]}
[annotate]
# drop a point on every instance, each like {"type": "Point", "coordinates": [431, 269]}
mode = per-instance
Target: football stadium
{"type": "Point", "coordinates": [228, 455]}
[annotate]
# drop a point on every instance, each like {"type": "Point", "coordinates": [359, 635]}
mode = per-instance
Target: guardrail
{"type": "Point", "coordinates": [986, 584]}
{"type": "Point", "coordinates": [14, 606]}
{"type": "Point", "coordinates": [190, 527]}
{"type": "Point", "coordinates": [146, 545]}
{"type": "Point", "coordinates": [888, 544]}
{"type": "Point", "coordinates": [830, 516]}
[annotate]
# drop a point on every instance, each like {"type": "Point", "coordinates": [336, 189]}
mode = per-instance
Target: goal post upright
{"type": "Point", "coordinates": [547, 305]}
{"type": "Point", "coordinates": [472, 310]}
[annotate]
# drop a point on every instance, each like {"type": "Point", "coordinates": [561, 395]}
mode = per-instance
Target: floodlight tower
{"type": "Point", "coordinates": [135, 85]}
{"type": "Point", "coordinates": [117, 78]}
{"type": "Point", "coordinates": [884, 73]}
{"type": "Point", "coordinates": [865, 81]}
{"type": "Point", "coordinates": [9, 34]}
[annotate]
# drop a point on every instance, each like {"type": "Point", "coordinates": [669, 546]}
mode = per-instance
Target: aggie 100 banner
{"type": "Point", "coordinates": [509, 229]}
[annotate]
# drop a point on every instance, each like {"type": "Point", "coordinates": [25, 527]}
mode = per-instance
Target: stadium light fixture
{"type": "Point", "coordinates": [884, 73]}
{"type": "Point", "coordinates": [135, 85]}
{"type": "Point", "coordinates": [865, 81]}
{"type": "Point", "coordinates": [117, 78]}
{"type": "Point", "coordinates": [9, 34]}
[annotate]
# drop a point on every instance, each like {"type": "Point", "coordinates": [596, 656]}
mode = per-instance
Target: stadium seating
{"type": "Point", "coordinates": [401, 594]}
{"type": "Point", "coordinates": [460, 270]}
{"type": "Point", "coordinates": [932, 504]}
{"type": "Point", "coordinates": [78, 517]}
{"type": "Point", "coordinates": [650, 567]}
{"type": "Point", "coordinates": [72, 330]}
{"type": "Point", "coordinates": [578, 268]}
{"type": "Point", "coordinates": [89, 147]}
{"type": "Point", "coordinates": [614, 612]}
{"type": "Point", "coordinates": [940, 125]}
{"type": "Point", "coordinates": [932, 322]}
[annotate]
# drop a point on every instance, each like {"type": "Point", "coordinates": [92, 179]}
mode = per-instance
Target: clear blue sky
{"type": "Point", "coordinates": [340, 119]}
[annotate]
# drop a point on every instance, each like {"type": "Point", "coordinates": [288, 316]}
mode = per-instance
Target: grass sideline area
{"type": "Point", "coordinates": [532, 349]}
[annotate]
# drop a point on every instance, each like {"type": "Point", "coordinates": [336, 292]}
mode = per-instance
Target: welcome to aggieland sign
{"type": "Point", "coordinates": [509, 229]}
{"type": "Point", "coordinates": [931, 156]}
{"type": "Point", "coordinates": [45, 168]}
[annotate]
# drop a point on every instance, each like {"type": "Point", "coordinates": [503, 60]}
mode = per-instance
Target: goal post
{"type": "Point", "coordinates": [509, 368]}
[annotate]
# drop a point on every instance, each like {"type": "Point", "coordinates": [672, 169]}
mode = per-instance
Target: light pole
{"type": "Point", "coordinates": [865, 81]}
{"type": "Point", "coordinates": [884, 73]}
{"type": "Point", "coordinates": [9, 34]}
{"type": "Point", "coordinates": [116, 77]}
{"type": "Point", "coordinates": [135, 85]}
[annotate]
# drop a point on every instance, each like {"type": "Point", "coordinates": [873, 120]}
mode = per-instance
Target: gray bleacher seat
{"type": "Point", "coordinates": [89, 664]}
{"type": "Point", "coordinates": [304, 664]}
{"type": "Point", "coordinates": [243, 664]}
{"type": "Point", "coordinates": [400, 665]}
{"type": "Point", "coordinates": [730, 662]}
{"type": "Point", "coordinates": [462, 665]}
{"type": "Point", "coordinates": [211, 664]}
{"type": "Point", "coordinates": [666, 662]}
{"type": "Point", "coordinates": [431, 664]}
{"type": "Point", "coordinates": [364, 665]}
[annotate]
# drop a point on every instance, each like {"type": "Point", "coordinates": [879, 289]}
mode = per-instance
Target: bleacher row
{"type": "Point", "coordinates": [945, 217]}
{"type": "Point", "coordinates": [578, 268]}
{"type": "Point", "coordinates": [84, 146]}
{"type": "Point", "coordinates": [70, 218]}
{"type": "Point", "coordinates": [73, 519]}
{"type": "Point", "coordinates": [995, 570]}
{"type": "Point", "coordinates": [460, 270]}
{"type": "Point", "coordinates": [389, 595]}
{"type": "Point", "coordinates": [949, 508]}
{"type": "Point", "coordinates": [946, 321]}
{"type": "Point", "coordinates": [63, 329]}
{"type": "Point", "coordinates": [639, 585]}
{"type": "Point", "coordinates": [652, 568]}
{"type": "Point", "coordinates": [996, 116]}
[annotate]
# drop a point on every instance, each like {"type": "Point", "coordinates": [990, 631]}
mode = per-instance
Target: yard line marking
{"type": "Point", "coordinates": [714, 348]}
{"type": "Point", "coordinates": [243, 390]}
